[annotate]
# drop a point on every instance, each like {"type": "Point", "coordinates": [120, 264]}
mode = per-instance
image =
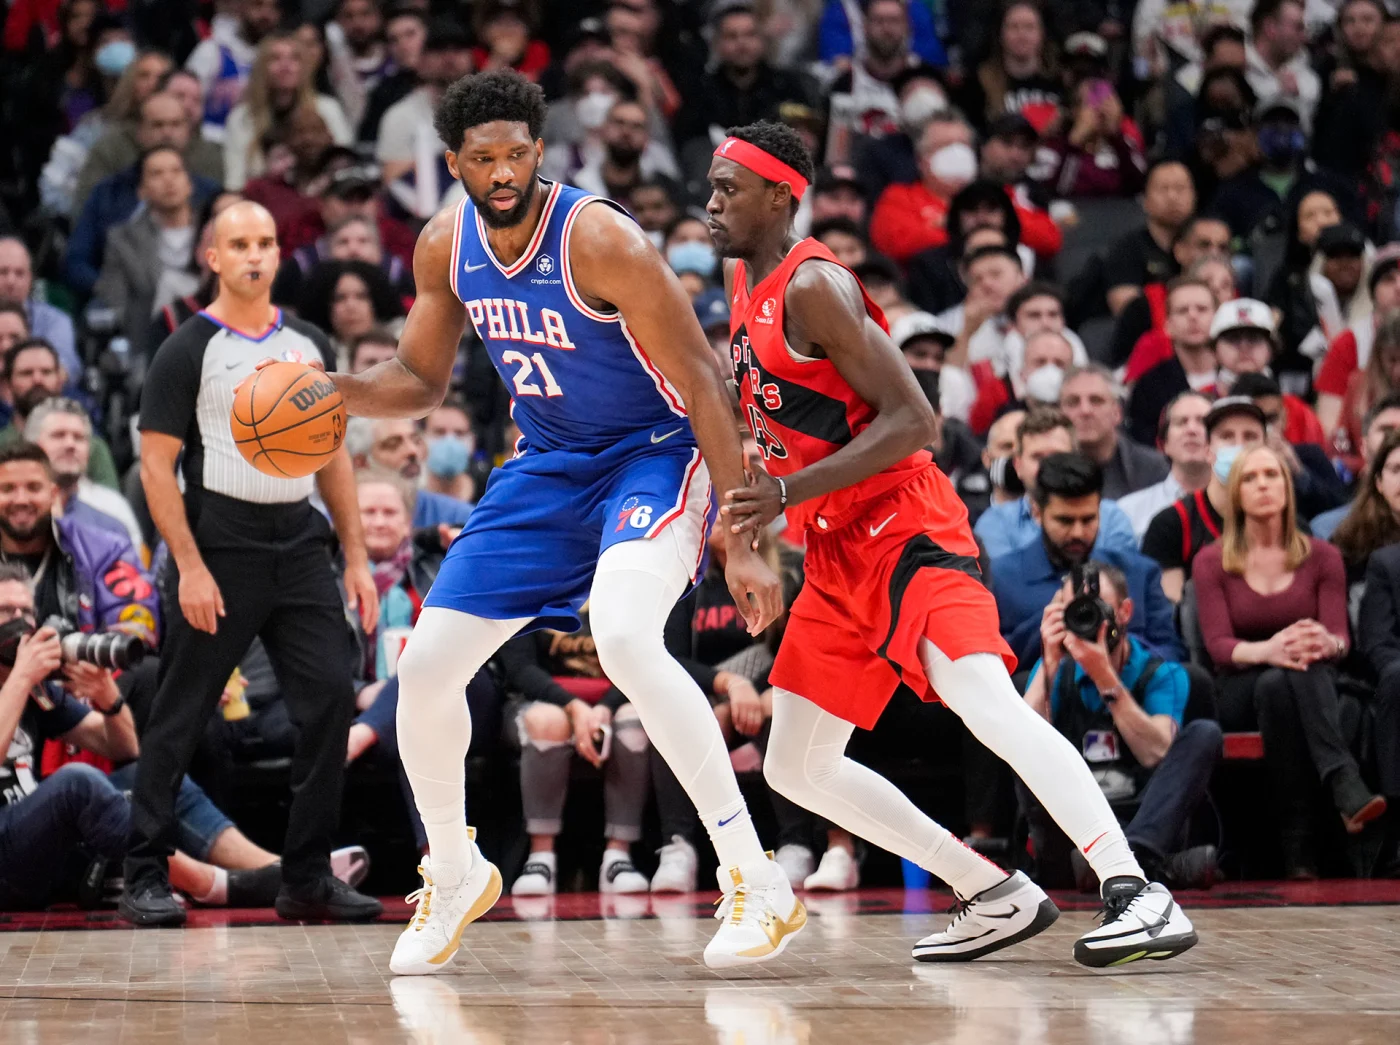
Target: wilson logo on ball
{"type": "Point", "coordinates": [306, 398]}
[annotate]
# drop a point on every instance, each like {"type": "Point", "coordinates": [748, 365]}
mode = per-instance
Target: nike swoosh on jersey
{"type": "Point", "coordinates": [473, 268]}
{"type": "Point", "coordinates": [875, 530]}
{"type": "Point", "coordinates": [661, 439]}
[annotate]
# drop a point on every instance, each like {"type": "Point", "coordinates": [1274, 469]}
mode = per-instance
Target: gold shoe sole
{"type": "Point", "coordinates": [484, 903]}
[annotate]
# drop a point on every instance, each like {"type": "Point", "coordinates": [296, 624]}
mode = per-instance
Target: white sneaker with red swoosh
{"type": "Point", "coordinates": [1007, 913]}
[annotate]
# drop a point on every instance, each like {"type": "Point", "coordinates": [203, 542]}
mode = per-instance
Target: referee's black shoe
{"type": "Point", "coordinates": [149, 902]}
{"type": "Point", "coordinates": [326, 899]}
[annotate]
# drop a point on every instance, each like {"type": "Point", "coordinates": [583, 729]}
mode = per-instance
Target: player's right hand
{"type": "Point", "coordinates": [200, 599]}
{"type": "Point", "coordinates": [756, 589]}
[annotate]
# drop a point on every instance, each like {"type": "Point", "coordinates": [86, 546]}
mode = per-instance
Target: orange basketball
{"type": "Point", "coordinates": [288, 420]}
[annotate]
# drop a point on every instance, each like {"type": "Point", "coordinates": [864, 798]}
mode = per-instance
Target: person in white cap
{"type": "Point", "coordinates": [1245, 340]}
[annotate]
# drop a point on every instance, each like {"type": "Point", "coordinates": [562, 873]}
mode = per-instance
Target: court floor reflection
{"type": "Point", "coordinates": [1259, 977]}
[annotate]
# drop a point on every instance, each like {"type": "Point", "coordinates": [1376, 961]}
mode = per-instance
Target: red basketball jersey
{"type": "Point", "coordinates": [800, 409]}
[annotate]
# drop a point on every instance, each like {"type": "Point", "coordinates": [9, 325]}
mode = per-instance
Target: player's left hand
{"type": "Point", "coordinates": [749, 577]}
{"type": "Point", "coordinates": [756, 505]}
{"type": "Point", "coordinates": [361, 594]}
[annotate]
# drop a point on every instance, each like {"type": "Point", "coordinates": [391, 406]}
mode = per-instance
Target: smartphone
{"type": "Point", "coordinates": [1099, 92]}
{"type": "Point", "coordinates": [602, 741]}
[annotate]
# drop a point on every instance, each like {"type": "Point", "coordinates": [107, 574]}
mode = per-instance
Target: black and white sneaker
{"type": "Point", "coordinates": [1007, 913]}
{"type": "Point", "coordinates": [1139, 921]}
{"type": "Point", "coordinates": [536, 877]}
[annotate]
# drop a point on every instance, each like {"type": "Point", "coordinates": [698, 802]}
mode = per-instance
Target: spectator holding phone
{"type": "Point", "coordinates": [1100, 154]}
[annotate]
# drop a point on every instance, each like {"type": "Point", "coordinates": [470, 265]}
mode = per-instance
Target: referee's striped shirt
{"type": "Point", "coordinates": [189, 394]}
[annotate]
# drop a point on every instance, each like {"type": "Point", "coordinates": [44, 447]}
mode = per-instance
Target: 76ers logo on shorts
{"type": "Point", "coordinates": [634, 512]}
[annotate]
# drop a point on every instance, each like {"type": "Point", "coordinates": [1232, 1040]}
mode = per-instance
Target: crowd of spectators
{"type": "Point", "coordinates": [1144, 259]}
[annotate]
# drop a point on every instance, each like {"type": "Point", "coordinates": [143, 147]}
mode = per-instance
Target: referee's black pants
{"type": "Point", "coordinates": [273, 567]}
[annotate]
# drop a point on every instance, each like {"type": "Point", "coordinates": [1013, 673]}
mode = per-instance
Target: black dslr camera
{"type": "Point", "coordinates": [1086, 611]}
{"type": "Point", "coordinates": [114, 650]}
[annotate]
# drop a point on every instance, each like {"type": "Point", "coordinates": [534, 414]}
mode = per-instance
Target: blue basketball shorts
{"type": "Point", "coordinates": [531, 546]}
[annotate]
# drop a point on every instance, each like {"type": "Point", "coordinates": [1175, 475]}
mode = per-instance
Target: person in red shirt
{"type": "Point", "coordinates": [893, 589]}
{"type": "Point", "coordinates": [913, 218]}
{"type": "Point", "coordinates": [1155, 347]}
{"type": "Point", "coordinates": [504, 27]}
{"type": "Point", "coordinates": [1351, 349]}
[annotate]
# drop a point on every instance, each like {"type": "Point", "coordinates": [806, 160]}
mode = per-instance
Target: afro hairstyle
{"type": "Point", "coordinates": [485, 98]}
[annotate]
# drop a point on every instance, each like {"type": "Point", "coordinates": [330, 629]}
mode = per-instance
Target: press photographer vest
{"type": "Point", "coordinates": [1103, 747]}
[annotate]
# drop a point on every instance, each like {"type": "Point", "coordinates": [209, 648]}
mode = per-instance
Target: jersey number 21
{"type": "Point", "coordinates": [524, 385]}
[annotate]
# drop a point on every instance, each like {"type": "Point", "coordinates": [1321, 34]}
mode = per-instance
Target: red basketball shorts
{"type": "Point", "coordinates": [905, 568]}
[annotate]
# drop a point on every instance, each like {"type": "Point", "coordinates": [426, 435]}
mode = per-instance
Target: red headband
{"type": "Point", "coordinates": [764, 164]}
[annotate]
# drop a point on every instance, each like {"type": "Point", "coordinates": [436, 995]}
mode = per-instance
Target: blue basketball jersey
{"type": "Point", "coordinates": [578, 380]}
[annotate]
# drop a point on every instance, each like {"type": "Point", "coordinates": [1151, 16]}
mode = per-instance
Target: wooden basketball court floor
{"type": "Point", "coordinates": [1276, 965]}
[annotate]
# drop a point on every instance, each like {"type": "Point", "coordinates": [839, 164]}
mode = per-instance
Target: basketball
{"type": "Point", "coordinates": [288, 420]}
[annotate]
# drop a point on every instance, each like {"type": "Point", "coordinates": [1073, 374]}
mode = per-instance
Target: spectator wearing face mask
{"type": "Point", "coordinates": [1091, 398]}
{"type": "Point", "coordinates": [1003, 484]}
{"type": "Point", "coordinates": [1183, 528]}
{"type": "Point", "coordinates": [1276, 183]}
{"type": "Point", "coordinates": [399, 447]}
{"type": "Point", "coordinates": [453, 466]}
{"type": "Point", "coordinates": [1031, 374]}
{"type": "Point", "coordinates": [691, 255]}
{"type": "Point", "coordinates": [892, 159]}
{"type": "Point", "coordinates": [626, 160]}
{"type": "Point", "coordinates": [925, 342]}
{"type": "Point", "coordinates": [911, 218]}
{"type": "Point", "coordinates": [1182, 439]}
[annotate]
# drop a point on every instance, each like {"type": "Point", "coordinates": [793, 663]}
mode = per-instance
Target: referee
{"type": "Point", "coordinates": [250, 558]}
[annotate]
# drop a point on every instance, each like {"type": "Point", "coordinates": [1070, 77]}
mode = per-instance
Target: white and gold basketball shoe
{"type": "Point", "coordinates": [758, 915]}
{"type": "Point", "coordinates": [435, 932]}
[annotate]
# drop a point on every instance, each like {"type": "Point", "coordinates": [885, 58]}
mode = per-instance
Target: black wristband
{"type": "Point", "coordinates": [115, 709]}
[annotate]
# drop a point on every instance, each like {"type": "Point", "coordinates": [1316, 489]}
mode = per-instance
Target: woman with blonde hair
{"type": "Point", "coordinates": [1273, 613]}
{"type": "Point", "coordinates": [280, 84]}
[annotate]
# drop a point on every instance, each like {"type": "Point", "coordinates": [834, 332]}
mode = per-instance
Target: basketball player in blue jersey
{"type": "Point", "coordinates": [617, 396]}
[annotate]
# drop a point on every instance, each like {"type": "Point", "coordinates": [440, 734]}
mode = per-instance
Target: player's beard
{"type": "Point", "coordinates": [496, 219]}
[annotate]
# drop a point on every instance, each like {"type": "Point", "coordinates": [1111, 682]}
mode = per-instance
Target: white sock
{"type": "Point", "coordinates": [980, 692]}
{"type": "Point", "coordinates": [218, 892]}
{"type": "Point", "coordinates": [806, 763]}
{"type": "Point", "coordinates": [447, 648]}
{"type": "Point", "coordinates": [634, 590]}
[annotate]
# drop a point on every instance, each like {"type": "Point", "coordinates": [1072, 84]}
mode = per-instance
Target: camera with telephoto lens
{"type": "Point", "coordinates": [1086, 612]}
{"type": "Point", "coordinates": [114, 650]}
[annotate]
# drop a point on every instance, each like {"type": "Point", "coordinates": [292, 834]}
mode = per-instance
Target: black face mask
{"type": "Point", "coordinates": [928, 381]}
{"type": "Point", "coordinates": [11, 632]}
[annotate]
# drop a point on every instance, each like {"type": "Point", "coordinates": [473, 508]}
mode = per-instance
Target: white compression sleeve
{"type": "Point", "coordinates": [447, 648]}
{"type": "Point", "coordinates": [636, 586]}
{"type": "Point", "coordinates": [807, 763]}
{"type": "Point", "coordinates": [980, 692]}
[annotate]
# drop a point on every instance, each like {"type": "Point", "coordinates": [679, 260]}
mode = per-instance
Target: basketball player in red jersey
{"type": "Point", "coordinates": [893, 591]}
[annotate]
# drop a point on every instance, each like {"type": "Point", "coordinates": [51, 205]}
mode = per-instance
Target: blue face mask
{"type": "Point", "coordinates": [112, 58]}
{"type": "Point", "coordinates": [1224, 461]}
{"type": "Point", "coordinates": [698, 258]}
{"type": "Point", "coordinates": [448, 457]}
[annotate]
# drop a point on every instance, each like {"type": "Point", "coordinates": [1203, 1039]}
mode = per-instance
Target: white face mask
{"type": "Point", "coordinates": [593, 108]}
{"type": "Point", "coordinates": [954, 164]}
{"type": "Point", "coordinates": [1043, 383]}
{"type": "Point", "coordinates": [920, 105]}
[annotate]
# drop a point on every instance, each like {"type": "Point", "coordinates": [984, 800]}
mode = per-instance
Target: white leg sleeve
{"type": "Point", "coordinates": [806, 763]}
{"type": "Point", "coordinates": [447, 648]}
{"type": "Point", "coordinates": [636, 586]}
{"type": "Point", "coordinates": [980, 692]}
